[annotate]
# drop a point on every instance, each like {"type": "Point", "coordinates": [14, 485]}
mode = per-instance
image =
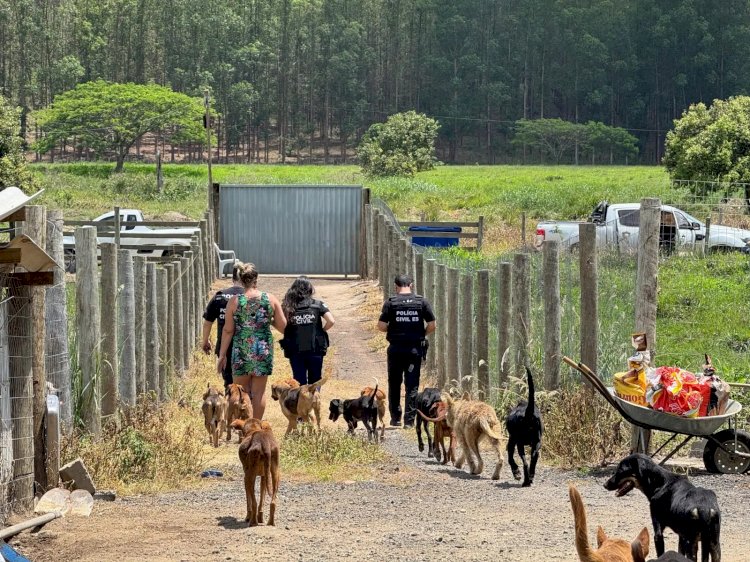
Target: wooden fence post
{"type": "Point", "coordinates": [429, 293]}
{"type": "Point", "coordinates": [88, 326]}
{"type": "Point", "coordinates": [369, 242]}
{"type": "Point", "coordinates": [466, 323]}
{"type": "Point", "coordinates": [58, 359]}
{"type": "Point", "coordinates": [483, 333]}
{"type": "Point", "coordinates": [185, 305]}
{"type": "Point", "coordinates": [171, 320]}
{"type": "Point", "coordinates": [35, 228]}
{"type": "Point", "coordinates": [139, 274]}
{"type": "Point", "coordinates": [552, 314]}
{"type": "Point", "coordinates": [20, 351]}
{"type": "Point", "coordinates": [188, 292]}
{"type": "Point", "coordinates": [162, 316]}
{"type": "Point", "coordinates": [110, 348]}
{"type": "Point", "coordinates": [521, 311]}
{"type": "Point", "coordinates": [152, 332]}
{"type": "Point", "coordinates": [177, 330]}
{"type": "Point", "coordinates": [418, 270]}
{"type": "Point", "coordinates": [400, 253]}
{"type": "Point", "coordinates": [376, 265]}
{"type": "Point", "coordinates": [504, 320]}
{"type": "Point", "coordinates": [452, 324]}
{"type": "Point", "coordinates": [442, 324]}
{"type": "Point", "coordinates": [127, 331]}
{"type": "Point", "coordinates": [589, 295]}
{"type": "Point", "coordinates": [209, 253]}
{"type": "Point", "coordinates": [480, 233]}
{"type": "Point", "coordinates": [646, 289]}
{"type": "Point", "coordinates": [383, 249]}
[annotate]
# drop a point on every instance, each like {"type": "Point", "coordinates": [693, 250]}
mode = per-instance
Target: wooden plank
{"type": "Point", "coordinates": [415, 234]}
{"type": "Point", "coordinates": [10, 255]}
{"type": "Point", "coordinates": [438, 223]}
{"type": "Point", "coordinates": [30, 278]}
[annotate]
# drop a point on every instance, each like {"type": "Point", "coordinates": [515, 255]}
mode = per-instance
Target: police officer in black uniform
{"type": "Point", "coordinates": [216, 311]}
{"type": "Point", "coordinates": [406, 318]}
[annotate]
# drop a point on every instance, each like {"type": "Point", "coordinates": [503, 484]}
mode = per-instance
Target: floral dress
{"type": "Point", "coordinates": [252, 346]}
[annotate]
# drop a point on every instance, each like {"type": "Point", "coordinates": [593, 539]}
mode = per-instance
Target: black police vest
{"type": "Point", "coordinates": [304, 331]}
{"type": "Point", "coordinates": [406, 319]}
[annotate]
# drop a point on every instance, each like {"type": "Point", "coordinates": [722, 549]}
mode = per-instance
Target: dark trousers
{"type": "Point", "coordinates": [403, 368]}
{"type": "Point", "coordinates": [307, 367]}
{"type": "Point", "coordinates": [226, 374]}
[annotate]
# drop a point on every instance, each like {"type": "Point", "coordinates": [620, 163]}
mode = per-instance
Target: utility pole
{"type": "Point", "coordinates": [207, 119]}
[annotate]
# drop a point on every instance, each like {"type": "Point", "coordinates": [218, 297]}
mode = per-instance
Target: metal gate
{"type": "Point", "coordinates": [283, 229]}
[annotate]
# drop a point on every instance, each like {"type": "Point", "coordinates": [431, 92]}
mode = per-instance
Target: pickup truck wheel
{"type": "Point", "coordinates": [173, 253]}
{"type": "Point", "coordinates": [723, 249]}
{"type": "Point", "coordinates": [70, 261]}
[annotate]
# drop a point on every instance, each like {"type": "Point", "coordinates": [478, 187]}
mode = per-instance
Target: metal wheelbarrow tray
{"type": "Point", "coordinates": [727, 451]}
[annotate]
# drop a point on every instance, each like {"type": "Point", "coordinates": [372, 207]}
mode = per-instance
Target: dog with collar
{"type": "Point", "coordinates": [691, 512]}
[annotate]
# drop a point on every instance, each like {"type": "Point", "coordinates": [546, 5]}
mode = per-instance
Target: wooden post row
{"type": "Point", "coordinates": [139, 274]}
{"type": "Point", "coordinates": [109, 321]}
{"type": "Point", "coordinates": [162, 314]}
{"type": "Point", "coordinates": [521, 311]}
{"type": "Point", "coordinates": [504, 320]}
{"type": "Point", "coordinates": [466, 323]}
{"type": "Point", "coordinates": [152, 332]}
{"type": "Point", "coordinates": [127, 333]}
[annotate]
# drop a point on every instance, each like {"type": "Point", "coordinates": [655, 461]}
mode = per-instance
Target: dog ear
{"type": "Point", "coordinates": [601, 537]}
{"type": "Point", "coordinates": [639, 547]}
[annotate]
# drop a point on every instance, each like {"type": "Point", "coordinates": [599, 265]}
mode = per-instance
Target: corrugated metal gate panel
{"type": "Point", "coordinates": [293, 228]}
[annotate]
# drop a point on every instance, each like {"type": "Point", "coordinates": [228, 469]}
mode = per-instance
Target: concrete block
{"type": "Point", "coordinates": [76, 472]}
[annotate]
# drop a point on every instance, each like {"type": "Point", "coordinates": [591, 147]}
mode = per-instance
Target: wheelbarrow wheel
{"type": "Point", "coordinates": [719, 461]}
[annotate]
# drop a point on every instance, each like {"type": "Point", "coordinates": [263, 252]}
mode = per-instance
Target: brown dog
{"type": "Point", "coordinates": [381, 402]}
{"type": "Point", "coordinates": [299, 402]}
{"type": "Point", "coordinates": [608, 550]}
{"type": "Point", "coordinates": [214, 413]}
{"type": "Point", "coordinates": [473, 421]}
{"type": "Point", "coordinates": [239, 406]}
{"type": "Point", "coordinates": [259, 455]}
{"type": "Point", "coordinates": [442, 430]}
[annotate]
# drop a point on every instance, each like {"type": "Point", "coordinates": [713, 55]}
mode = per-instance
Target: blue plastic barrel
{"type": "Point", "coordinates": [437, 242]}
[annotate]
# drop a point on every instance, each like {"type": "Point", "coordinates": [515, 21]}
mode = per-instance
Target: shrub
{"type": "Point", "coordinates": [402, 146]}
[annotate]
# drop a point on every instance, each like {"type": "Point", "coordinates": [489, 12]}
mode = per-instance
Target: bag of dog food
{"type": "Point", "coordinates": [676, 391]}
{"type": "Point", "coordinates": [718, 390]}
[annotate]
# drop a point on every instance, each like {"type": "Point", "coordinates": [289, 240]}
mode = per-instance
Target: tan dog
{"type": "Point", "coordinates": [239, 406]}
{"type": "Point", "coordinates": [473, 421]}
{"type": "Point", "coordinates": [259, 455]}
{"type": "Point", "coordinates": [381, 402]}
{"type": "Point", "coordinates": [299, 402]}
{"type": "Point", "coordinates": [442, 430]}
{"type": "Point", "coordinates": [608, 550]}
{"type": "Point", "coordinates": [214, 413]}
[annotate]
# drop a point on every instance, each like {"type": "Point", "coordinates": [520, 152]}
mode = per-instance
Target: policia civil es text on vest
{"type": "Point", "coordinates": [406, 318]}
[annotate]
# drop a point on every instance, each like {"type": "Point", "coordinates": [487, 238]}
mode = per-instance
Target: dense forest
{"type": "Point", "coordinates": [314, 74]}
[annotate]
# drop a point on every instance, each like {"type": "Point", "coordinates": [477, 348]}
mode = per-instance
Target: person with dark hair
{"type": "Point", "coordinates": [306, 336]}
{"type": "Point", "coordinates": [247, 326]}
{"type": "Point", "coordinates": [406, 319]}
{"type": "Point", "coordinates": [215, 311]}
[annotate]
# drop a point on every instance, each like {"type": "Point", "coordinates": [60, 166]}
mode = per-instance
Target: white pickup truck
{"type": "Point", "coordinates": [617, 225]}
{"type": "Point", "coordinates": [171, 241]}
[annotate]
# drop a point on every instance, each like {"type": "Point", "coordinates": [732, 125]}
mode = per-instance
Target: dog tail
{"type": "Point", "coordinates": [433, 420]}
{"type": "Point", "coordinates": [314, 387]}
{"type": "Point", "coordinates": [488, 430]}
{"type": "Point", "coordinates": [530, 405]}
{"type": "Point", "coordinates": [585, 552]}
{"type": "Point", "coordinates": [268, 454]}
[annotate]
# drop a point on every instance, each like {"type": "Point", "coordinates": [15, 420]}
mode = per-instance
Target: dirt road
{"type": "Point", "coordinates": [413, 509]}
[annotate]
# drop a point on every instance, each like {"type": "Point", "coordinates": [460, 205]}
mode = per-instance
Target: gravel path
{"type": "Point", "coordinates": [414, 509]}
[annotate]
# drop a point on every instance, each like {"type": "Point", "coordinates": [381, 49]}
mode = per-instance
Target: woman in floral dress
{"type": "Point", "coordinates": [247, 325]}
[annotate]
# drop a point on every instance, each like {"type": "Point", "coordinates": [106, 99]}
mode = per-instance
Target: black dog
{"type": "Point", "coordinates": [363, 409]}
{"type": "Point", "coordinates": [425, 403]}
{"type": "Point", "coordinates": [693, 513]}
{"type": "Point", "coordinates": [524, 425]}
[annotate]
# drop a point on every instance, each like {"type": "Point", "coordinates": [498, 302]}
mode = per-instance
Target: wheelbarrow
{"type": "Point", "coordinates": [727, 451]}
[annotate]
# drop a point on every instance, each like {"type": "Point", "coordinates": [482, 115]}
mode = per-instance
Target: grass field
{"type": "Point", "coordinates": [703, 304]}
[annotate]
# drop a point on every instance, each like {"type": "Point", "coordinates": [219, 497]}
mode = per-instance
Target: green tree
{"type": "Point", "coordinates": [13, 170]}
{"type": "Point", "coordinates": [712, 143]}
{"type": "Point", "coordinates": [553, 137]}
{"type": "Point", "coordinates": [402, 146]}
{"type": "Point", "coordinates": [109, 118]}
{"type": "Point", "coordinates": [603, 140]}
